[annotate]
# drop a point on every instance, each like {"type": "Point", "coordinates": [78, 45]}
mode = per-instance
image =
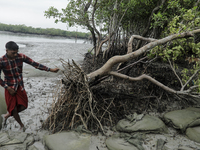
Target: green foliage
{"type": "Point", "coordinates": [159, 19]}
{"type": "Point", "coordinates": [182, 47]}
{"type": "Point", "coordinates": [186, 19]}
{"type": "Point", "coordinates": [186, 74]}
{"type": "Point", "coordinates": [48, 31]}
{"type": "Point", "coordinates": [172, 9]}
{"type": "Point", "coordinates": [75, 14]}
{"type": "Point", "coordinates": [172, 17]}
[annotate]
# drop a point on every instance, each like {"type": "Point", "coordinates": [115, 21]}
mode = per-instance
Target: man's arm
{"type": "Point", "coordinates": [3, 84]}
{"type": "Point", "coordinates": [37, 65]}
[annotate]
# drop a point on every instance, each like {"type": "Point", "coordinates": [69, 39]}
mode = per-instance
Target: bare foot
{"type": "Point", "coordinates": [5, 117]}
{"type": "Point", "coordinates": [22, 129]}
{"type": "Point", "coordinates": [4, 120]}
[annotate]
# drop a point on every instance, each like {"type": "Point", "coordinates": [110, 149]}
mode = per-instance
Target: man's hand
{"type": "Point", "coordinates": [54, 70]}
{"type": "Point", "coordinates": [11, 91]}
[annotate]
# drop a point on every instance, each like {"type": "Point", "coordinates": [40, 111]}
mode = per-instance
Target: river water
{"type": "Point", "coordinates": [45, 50]}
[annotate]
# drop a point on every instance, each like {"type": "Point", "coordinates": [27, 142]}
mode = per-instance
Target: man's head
{"type": "Point", "coordinates": [11, 49]}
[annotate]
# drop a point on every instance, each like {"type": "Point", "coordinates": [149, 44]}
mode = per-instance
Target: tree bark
{"type": "Point", "coordinates": [90, 28]}
{"type": "Point", "coordinates": [94, 27]}
{"type": "Point", "coordinates": [130, 48]}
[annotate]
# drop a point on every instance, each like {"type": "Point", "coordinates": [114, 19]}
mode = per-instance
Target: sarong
{"type": "Point", "coordinates": [20, 98]}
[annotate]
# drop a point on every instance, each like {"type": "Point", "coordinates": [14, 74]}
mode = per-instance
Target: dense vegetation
{"type": "Point", "coordinates": [121, 20]}
{"type": "Point", "coordinates": [41, 31]}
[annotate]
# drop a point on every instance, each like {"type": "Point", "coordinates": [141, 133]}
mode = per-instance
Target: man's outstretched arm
{"type": "Point", "coordinates": [37, 65]}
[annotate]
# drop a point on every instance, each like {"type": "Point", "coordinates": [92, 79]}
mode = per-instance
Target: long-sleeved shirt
{"type": "Point", "coordinates": [12, 70]}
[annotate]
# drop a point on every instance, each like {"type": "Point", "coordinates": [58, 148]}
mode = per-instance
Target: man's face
{"type": "Point", "coordinates": [12, 53]}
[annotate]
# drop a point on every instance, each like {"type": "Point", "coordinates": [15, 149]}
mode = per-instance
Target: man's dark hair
{"type": "Point", "coordinates": [11, 46]}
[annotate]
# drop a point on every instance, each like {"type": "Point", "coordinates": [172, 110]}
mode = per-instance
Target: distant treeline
{"type": "Point", "coordinates": [41, 31]}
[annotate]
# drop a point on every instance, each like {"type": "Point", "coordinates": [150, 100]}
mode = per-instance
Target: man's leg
{"type": "Point", "coordinates": [11, 101]}
{"type": "Point", "coordinates": [17, 117]}
{"type": "Point", "coordinates": [20, 109]}
{"type": "Point", "coordinates": [5, 117]}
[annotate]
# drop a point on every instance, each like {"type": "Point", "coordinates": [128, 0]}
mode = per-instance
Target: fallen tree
{"type": "Point", "coordinates": [76, 103]}
{"type": "Point", "coordinates": [106, 69]}
{"type": "Point", "coordinates": [147, 70]}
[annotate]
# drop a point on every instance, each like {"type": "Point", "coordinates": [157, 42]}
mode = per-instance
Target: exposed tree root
{"type": "Point", "coordinates": [74, 103]}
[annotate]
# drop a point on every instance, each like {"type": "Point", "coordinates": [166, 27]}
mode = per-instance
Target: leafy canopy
{"type": "Point", "coordinates": [180, 50]}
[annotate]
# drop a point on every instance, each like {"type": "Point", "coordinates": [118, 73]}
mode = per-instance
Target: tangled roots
{"type": "Point", "coordinates": [74, 103]}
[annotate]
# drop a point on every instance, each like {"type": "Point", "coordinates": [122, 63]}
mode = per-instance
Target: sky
{"type": "Point", "coordinates": [31, 13]}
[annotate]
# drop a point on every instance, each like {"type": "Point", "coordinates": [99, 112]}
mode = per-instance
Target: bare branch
{"type": "Point", "coordinates": [144, 76]}
{"type": "Point", "coordinates": [175, 73]}
{"type": "Point", "coordinates": [197, 3]}
{"type": "Point", "coordinates": [164, 87]}
{"type": "Point", "coordinates": [139, 38]}
{"type": "Point", "coordinates": [189, 79]}
{"type": "Point", "coordinates": [192, 88]}
{"type": "Point", "coordinates": [105, 69]}
{"type": "Point", "coordinates": [132, 64]}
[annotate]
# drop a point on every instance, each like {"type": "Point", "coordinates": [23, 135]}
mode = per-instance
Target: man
{"type": "Point", "coordinates": [15, 95]}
